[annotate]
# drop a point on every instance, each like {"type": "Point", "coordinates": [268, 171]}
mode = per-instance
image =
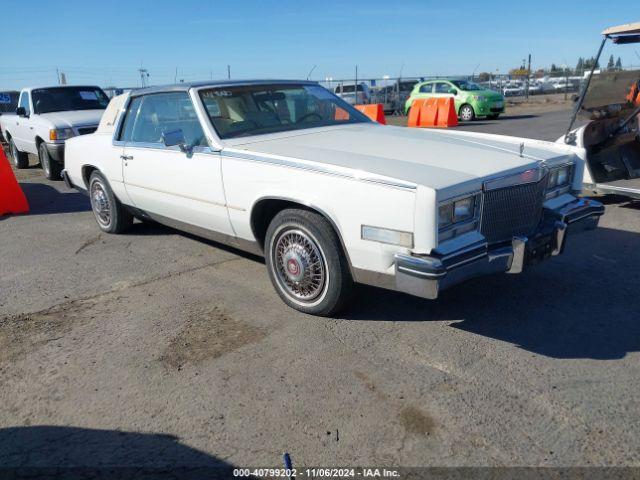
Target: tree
{"type": "Point", "coordinates": [580, 65]}
{"type": "Point", "coordinates": [619, 64]}
{"type": "Point", "coordinates": [611, 64]}
{"type": "Point", "coordinates": [484, 76]}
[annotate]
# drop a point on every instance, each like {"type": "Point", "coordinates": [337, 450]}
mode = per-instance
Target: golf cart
{"type": "Point", "coordinates": [610, 141]}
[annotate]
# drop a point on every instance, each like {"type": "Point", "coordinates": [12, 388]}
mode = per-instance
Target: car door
{"type": "Point", "coordinates": [20, 131]}
{"type": "Point", "coordinates": [165, 181]}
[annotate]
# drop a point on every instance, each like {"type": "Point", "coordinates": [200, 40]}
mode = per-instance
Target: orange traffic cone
{"type": "Point", "coordinates": [447, 116]}
{"type": "Point", "coordinates": [12, 199]}
{"type": "Point", "coordinates": [374, 111]}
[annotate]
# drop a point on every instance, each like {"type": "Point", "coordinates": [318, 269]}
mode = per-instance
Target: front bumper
{"type": "Point", "coordinates": [56, 152]}
{"type": "Point", "coordinates": [426, 275]}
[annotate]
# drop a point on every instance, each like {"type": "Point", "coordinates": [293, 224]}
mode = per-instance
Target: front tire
{"type": "Point", "coordinates": [466, 113]}
{"type": "Point", "coordinates": [20, 159]}
{"type": "Point", "coordinates": [306, 264]}
{"type": "Point", "coordinates": [109, 213]}
{"type": "Point", "coordinates": [51, 168]}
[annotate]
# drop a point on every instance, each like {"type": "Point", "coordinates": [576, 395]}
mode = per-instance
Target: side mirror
{"type": "Point", "coordinates": [21, 112]}
{"type": "Point", "coordinates": [172, 138]}
{"type": "Point", "coordinates": [453, 91]}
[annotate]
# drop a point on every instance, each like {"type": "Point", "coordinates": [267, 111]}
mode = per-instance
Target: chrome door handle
{"type": "Point", "coordinates": [126, 157]}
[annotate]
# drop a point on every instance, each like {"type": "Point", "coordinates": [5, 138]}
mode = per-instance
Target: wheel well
{"type": "Point", "coordinates": [266, 209]}
{"type": "Point", "coordinates": [467, 105]}
{"type": "Point", "coordinates": [87, 170]}
{"type": "Point", "coordinates": [38, 142]}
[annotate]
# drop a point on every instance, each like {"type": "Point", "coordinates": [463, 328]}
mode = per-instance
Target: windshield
{"type": "Point", "coordinates": [609, 93]}
{"type": "Point", "coordinates": [466, 86]}
{"type": "Point", "coordinates": [246, 110]}
{"type": "Point", "coordinates": [46, 100]}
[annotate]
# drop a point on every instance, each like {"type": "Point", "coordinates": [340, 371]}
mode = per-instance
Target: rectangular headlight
{"type": "Point", "coordinates": [458, 216]}
{"type": "Point", "coordinates": [463, 209]}
{"type": "Point", "coordinates": [445, 215]}
{"type": "Point", "coordinates": [559, 181]}
{"type": "Point", "coordinates": [385, 235]}
{"type": "Point", "coordinates": [61, 134]}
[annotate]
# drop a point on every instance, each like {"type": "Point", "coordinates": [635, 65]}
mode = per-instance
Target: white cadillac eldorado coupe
{"type": "Point", "coordinates": [287, 170]}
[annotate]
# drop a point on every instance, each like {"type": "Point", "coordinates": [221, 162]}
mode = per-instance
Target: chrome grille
{"type": "Point", "coordinates": [512, 211]}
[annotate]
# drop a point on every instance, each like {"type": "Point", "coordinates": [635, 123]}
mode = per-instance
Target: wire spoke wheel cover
{"type": "Point", "coordinates": [299, 264]}
{"type": "Point", "coordinates": [100, 203]}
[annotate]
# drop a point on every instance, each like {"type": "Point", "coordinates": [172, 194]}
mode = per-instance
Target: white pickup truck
{"type": "Point", "coordinates": [45, 118]}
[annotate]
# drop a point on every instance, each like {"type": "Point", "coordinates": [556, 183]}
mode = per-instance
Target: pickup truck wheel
{"type": "Point", "coordinates": [466, 113]}
{"type": "Point", "coordinates": [20, 159]}
{"type": "Point", "coordinates": [51, 168]}
{"type": "Point", "coordinates": [306, 264]}
{"type": "Point", "coordinates": [110, 214]}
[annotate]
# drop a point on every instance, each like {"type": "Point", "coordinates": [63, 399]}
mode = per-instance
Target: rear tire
{"type": "Point", "coordinates": [109, 213]}
{"type": "Point", "coordinates": [306, 264]}
{"type": "Point", "coordinates": [466, 113]}
{"type": "Point", "coordinates": [20, 159]}
{"type": "Point", "coordinates": [51, 168]}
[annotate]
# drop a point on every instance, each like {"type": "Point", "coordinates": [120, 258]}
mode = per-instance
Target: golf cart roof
{"type": "Point", "coordinates": [625, 29]}
{"type": "Point", "coordinates": [622, 34]}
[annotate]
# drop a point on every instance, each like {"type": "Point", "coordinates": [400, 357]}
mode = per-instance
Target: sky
{"type": "Point", "coordinates": [106, 42]}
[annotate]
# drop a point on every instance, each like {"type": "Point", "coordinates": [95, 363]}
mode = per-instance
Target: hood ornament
{"type": "Point", "coordinates": [521, 148]}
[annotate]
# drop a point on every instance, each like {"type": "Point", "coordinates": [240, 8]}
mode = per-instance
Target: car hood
{"type": "Point", "coordinates": [433, 158]}
{"type": "Point", "coordinates": [73, 118]}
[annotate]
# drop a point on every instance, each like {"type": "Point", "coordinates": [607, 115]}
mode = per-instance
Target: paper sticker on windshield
{"type": "Point", "coordinates": [319, 92]}
{"type": "Point", "coordinates": [88, 95]}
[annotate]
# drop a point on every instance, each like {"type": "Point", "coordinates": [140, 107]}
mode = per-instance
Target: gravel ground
{"type": "Point", "coordinates": [156, 348]}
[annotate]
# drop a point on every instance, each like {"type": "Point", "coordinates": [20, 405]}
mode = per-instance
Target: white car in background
{"type": "Point", "coordinates": [512, 90]}
{"type": "Point", "coordinates": [329, 200]}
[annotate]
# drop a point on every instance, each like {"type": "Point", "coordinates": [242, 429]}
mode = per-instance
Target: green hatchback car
{"type": "Point", "coordinates": [470, 99]}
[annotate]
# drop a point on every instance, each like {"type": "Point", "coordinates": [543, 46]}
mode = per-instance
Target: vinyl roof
{"type": "Point", "coordinates": [627, 28]}
{"type": "Point", "coordinates": [183, 87]}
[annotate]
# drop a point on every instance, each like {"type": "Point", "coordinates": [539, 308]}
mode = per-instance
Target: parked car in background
{"type": "Point", "coordinates": [45, 118]}
{"type": "Point", "coordinates": [535, 88]}
{"type": "Point", "coordinates": [8, 104]}
{"type": "Point", "coordinates": [352, 96]}
{"type": "Point", "coordinates": [470, 99]}
{"type": "Point", "coordinates": [288, 170]}
{"type": "Point", "coordinates": [512, 90]}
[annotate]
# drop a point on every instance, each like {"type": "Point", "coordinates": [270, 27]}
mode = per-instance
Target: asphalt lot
{"type": "Point", "coordinates": [157, 348]}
